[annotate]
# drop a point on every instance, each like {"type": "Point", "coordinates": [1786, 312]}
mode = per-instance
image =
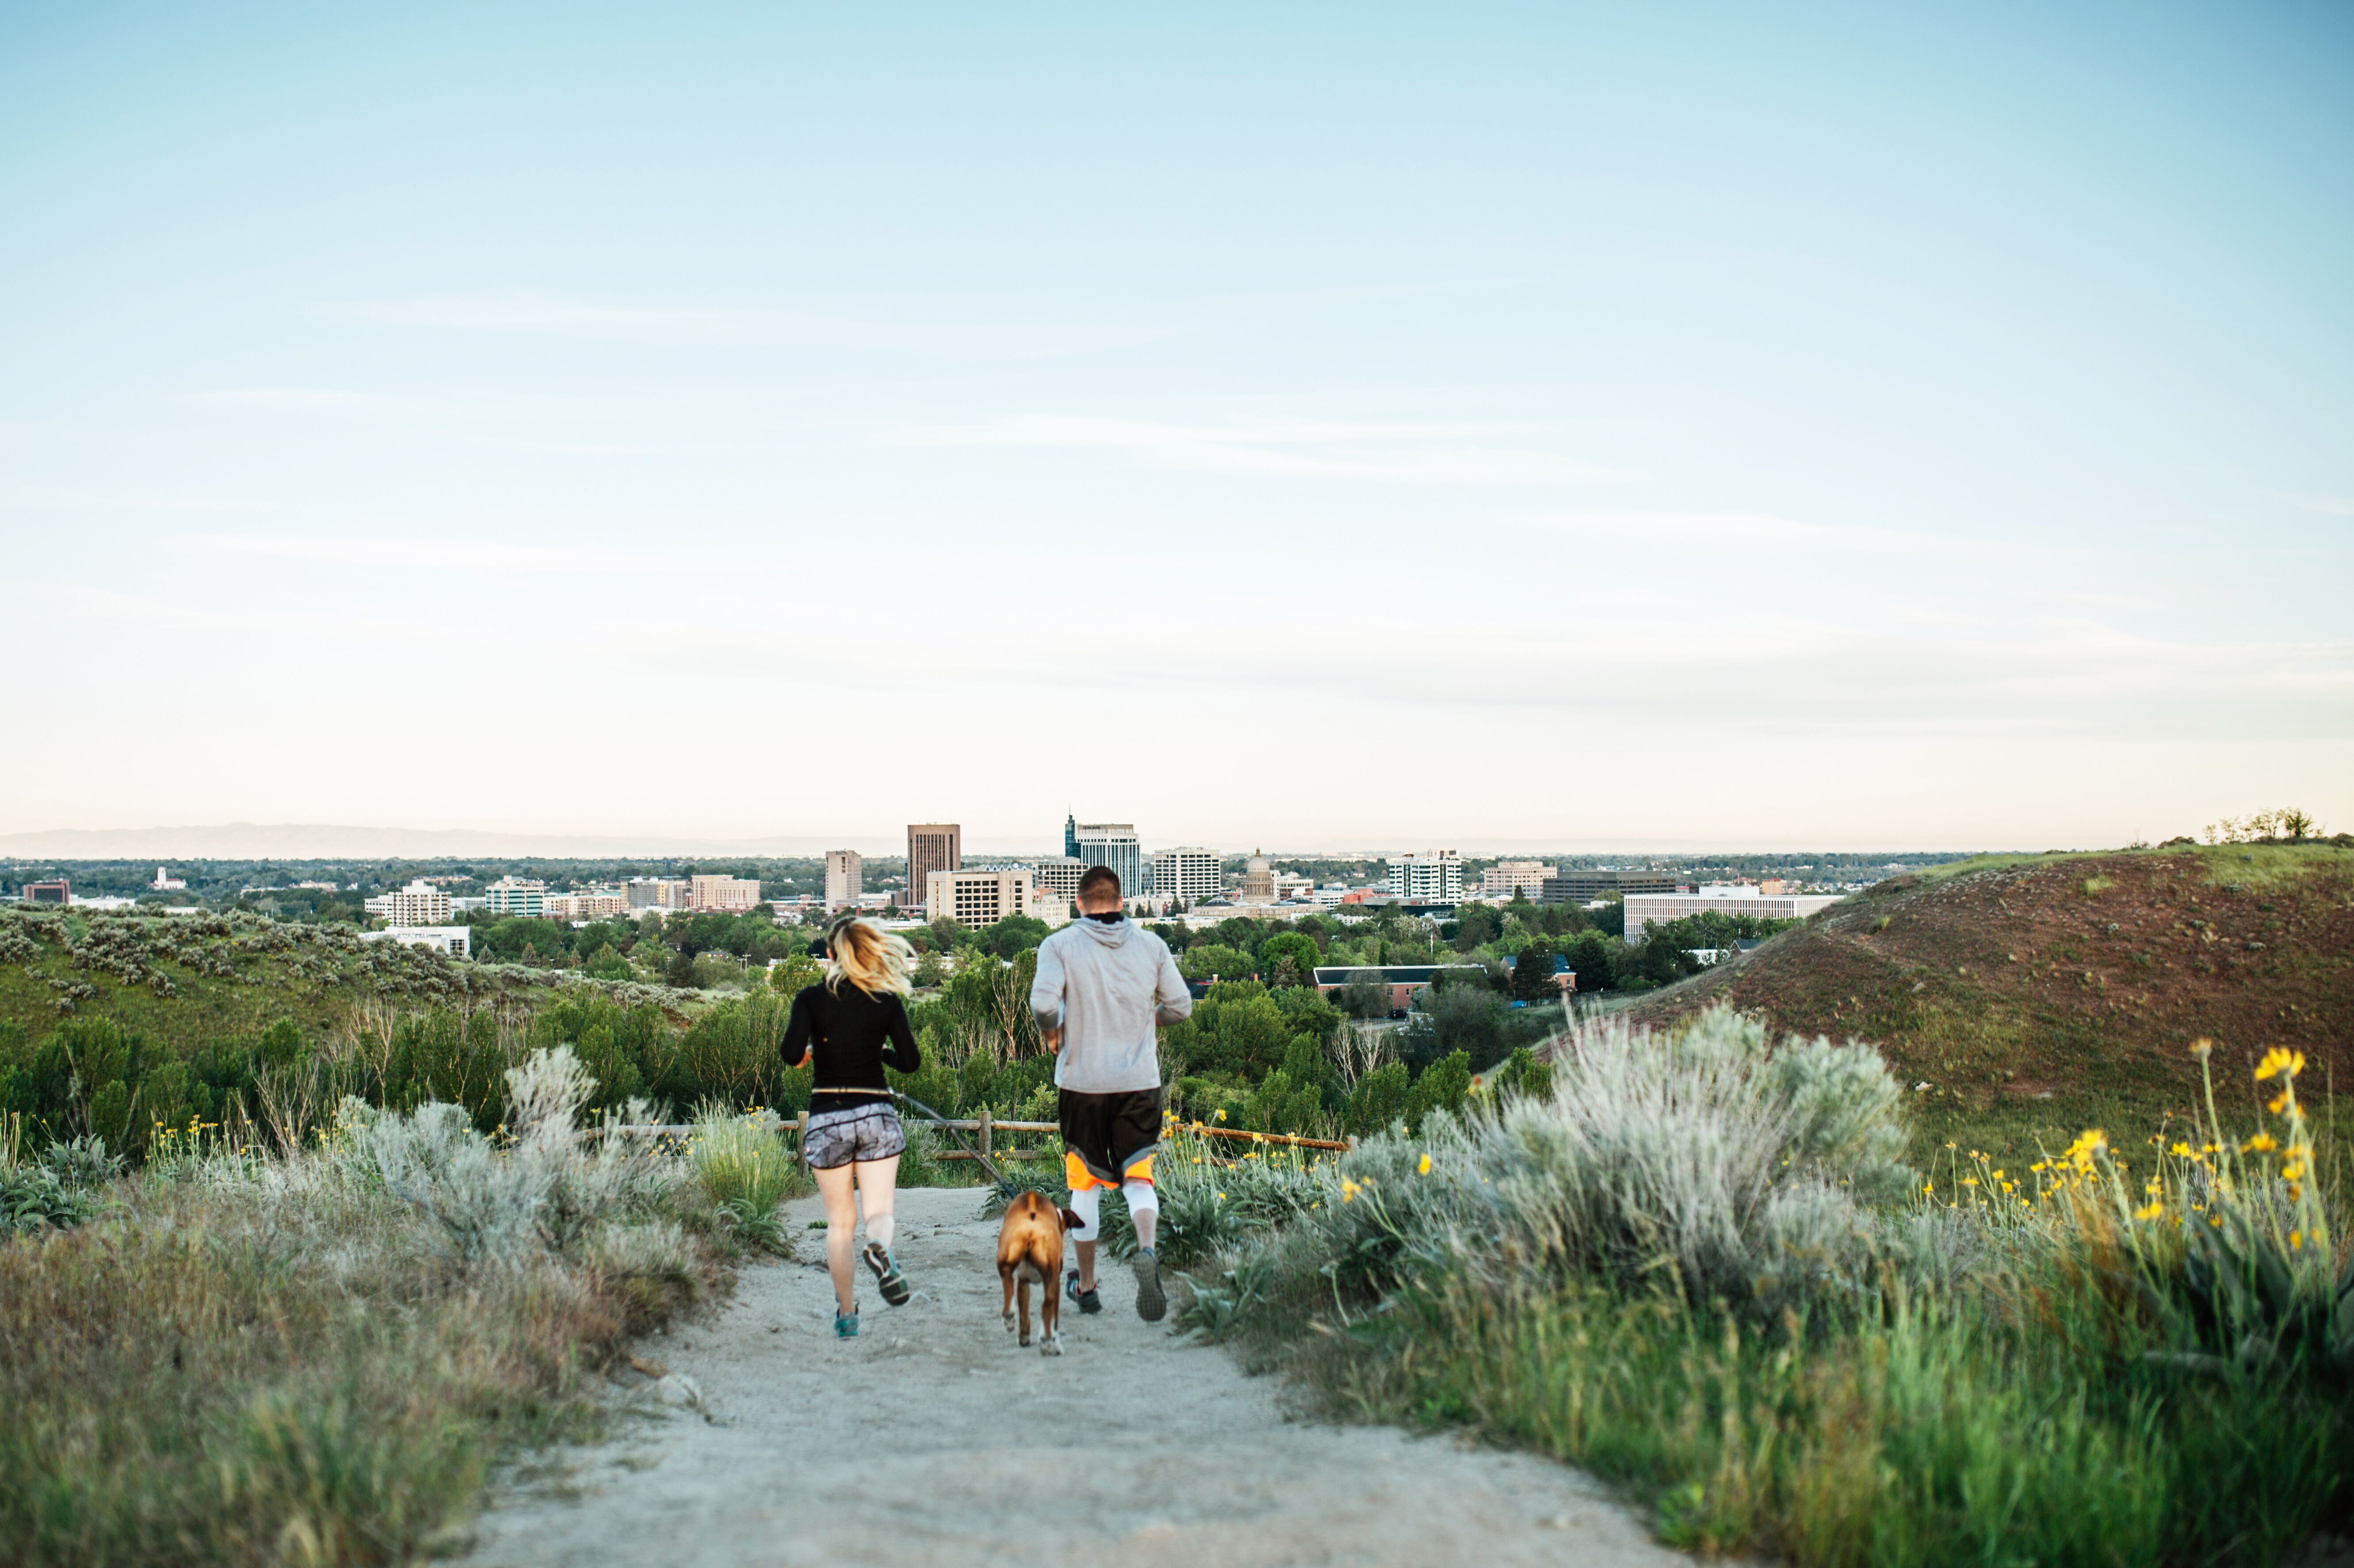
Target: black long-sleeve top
{"type": "Point", "coordinates": [848, 1029]}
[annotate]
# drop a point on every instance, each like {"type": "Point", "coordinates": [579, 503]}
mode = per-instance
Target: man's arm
{"type": "Point", "coordinates": [1046, 996]}
{"type": "Point", "coordinates": [1172, 999]}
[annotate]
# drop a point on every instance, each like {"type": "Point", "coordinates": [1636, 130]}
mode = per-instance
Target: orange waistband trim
{"type": "Point", "coordinates": [1075, 1171]}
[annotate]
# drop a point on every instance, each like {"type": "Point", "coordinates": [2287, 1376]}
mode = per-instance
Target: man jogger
{"type": "Point", "coordinates": [1104, 985]}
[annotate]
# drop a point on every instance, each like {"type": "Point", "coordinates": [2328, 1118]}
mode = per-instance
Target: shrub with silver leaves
{"type": "Point", "coordinates": [1704, 1159]}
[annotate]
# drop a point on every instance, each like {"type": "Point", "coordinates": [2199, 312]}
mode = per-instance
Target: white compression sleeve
{"type": "Point", "coordinates": [1141, 1198]}
{"type": "Point", "coordinates": [1089, 1205]}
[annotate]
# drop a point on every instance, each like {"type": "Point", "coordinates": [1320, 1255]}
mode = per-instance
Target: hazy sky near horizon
{"type": "Point", "coordinates": [1777, 426]}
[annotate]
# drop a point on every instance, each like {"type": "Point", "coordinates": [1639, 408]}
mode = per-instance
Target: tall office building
{"type": "Point", "coordinates": [977, 899]}
{"type": "Point", "coordinates": [932, 846]}
{"type": "Point", "coordinates": [515, 896]}
{"type": "Point", "coordinates": [845, 878]}
{"type": "Point", "coordinates": [1584, 886]}
{"type": "Point", "coordinates": [1071, 837]}
{"type": "Point", "coordinates": [1434, 877]}
{"type": "Point", "coordinates": [419, 904]}
{"type": "Point", "coordinates": [1189, 873]}
{"type": "Point", "coordinates": [657, 892]}
{"type": "Point", "coordinates": [720, 895]}
{"type": "Point", "coordinates": [1509, 879]}
{"type": "Point", "coordinates": [1056, 876]}
{"type": "Point", "coordinates": [1113, 845]}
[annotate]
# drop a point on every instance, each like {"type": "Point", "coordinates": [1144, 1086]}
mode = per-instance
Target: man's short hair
{"type": "Point", "coordinates": [1097, 879]}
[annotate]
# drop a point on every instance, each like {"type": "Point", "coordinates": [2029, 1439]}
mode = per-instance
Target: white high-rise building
{"type": "Point", "coordinates": [419, 904]}
{"type": "Point", "coordinates": [1189, 873]}
{"type": "Point", "coordinates": [1114, 844]}
{"type": "Point", "coordinates": [515, 896]}
{"type": "Point", "coordinates": [845, 878]}
{"type": "Point", "coordinates": [977, 897]}
{"type": "Point", "coordinates": [718, 894]}
{"type": "Point", "coordinates": [1434, 877]}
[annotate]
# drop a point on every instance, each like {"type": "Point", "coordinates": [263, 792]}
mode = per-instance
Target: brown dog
{"type": "Point", "coordinates": [1030, 1251]}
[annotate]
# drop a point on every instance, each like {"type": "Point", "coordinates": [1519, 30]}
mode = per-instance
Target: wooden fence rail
{"type": "Point", "coordinates": [987, 1127]}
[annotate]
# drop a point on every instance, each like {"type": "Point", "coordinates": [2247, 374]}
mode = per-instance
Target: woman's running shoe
{"type": "Point", "coordinates": [888, 1277]}
{"type": "Point", "coordinates": [1150, 1302]}
{"type": "Point", "coordinates": [1090, 1301]}
{"type": "Point", "coordinates": [845, 1324]}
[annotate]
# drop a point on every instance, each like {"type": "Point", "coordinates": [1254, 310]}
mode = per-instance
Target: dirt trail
{"type": "Point", "coordinates": [932, 1439]}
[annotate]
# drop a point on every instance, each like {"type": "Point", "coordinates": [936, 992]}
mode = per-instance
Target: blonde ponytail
{"type": "Point", "coordinates": [868, 956]}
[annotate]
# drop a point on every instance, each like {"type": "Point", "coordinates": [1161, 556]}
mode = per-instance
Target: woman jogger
{"type": "Point", "coordinates": [854, 1133]}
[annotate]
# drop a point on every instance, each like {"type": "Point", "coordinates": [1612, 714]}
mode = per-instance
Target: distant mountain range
{"type": "Point", "coordinates": [323, 840]}
{"type": "Point", "coordinates": [317, 840]}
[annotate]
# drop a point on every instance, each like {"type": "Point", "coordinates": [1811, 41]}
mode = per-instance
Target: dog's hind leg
{"type": "Point", "coordinates": [1005, 1273]}
{"type": "Point", "coordinates": [1050, 1318]}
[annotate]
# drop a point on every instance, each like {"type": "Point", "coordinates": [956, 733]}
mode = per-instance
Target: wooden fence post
{"type": "Point", "coordinates": [984, 1132]}
{"type": "Point", "coordinates": [801, 1141]}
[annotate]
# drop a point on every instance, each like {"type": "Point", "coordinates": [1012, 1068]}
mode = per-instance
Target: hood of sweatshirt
{"type": "Point", "coordinates": [1111, 934]}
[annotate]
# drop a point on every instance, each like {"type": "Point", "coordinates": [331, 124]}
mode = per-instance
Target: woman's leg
{"type": "Point", "coordinates": [840, 1231]}
{"type": "Point", "coordinates": [876, 1178]}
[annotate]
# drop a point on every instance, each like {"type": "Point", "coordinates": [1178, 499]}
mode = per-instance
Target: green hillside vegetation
{"type": "Point", "coordinates": [2023, 997]}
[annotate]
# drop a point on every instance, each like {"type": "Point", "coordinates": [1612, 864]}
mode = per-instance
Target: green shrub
{"type": "Point", "coordinates": [1661, 1270]}
{"type": "Point", "coordinates": [746, 1170]}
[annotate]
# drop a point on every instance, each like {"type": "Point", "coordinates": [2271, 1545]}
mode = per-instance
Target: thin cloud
{"type": "Point", "coordinates": [950, 328]}
{"type": "Point", "coordinates": [438, 555]}
{"type": "Point", "coordinates": [2334, 506]}
{"type": "Point", "coordinates": [1325, 449]}
{"type": "Point", "coordinates": [285, 398]}
{"type": "Point", "coordinates": [1749, 527]}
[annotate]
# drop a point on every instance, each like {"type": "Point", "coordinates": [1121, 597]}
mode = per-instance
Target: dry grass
{"type": "Point", "coordinates": [271, 1362]}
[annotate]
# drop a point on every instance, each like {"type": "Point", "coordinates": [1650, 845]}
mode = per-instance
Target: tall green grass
{"type": "Point", "coordinates": [747, 1171]}
{"type": "Point", "coordinates": [1662, 1271]}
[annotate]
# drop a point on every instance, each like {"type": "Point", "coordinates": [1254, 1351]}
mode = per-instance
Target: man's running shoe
{"type": "Point", "coordinates": [1090, 1301]}
{"type": "Point", "coordinates": [1149, 1303]}
{"type": "Point", "coordinates": [888, 1277]}
{"type": "Point", "coordinates": [845, 1324]}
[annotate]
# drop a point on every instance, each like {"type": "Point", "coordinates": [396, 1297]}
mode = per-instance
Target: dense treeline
{"type": "Point", "coordinates": [692, 1009]}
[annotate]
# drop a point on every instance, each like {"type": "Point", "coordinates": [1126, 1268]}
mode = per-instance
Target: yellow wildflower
{"type": "Point", "coordinates": [1424, 1168]}
{"type": "Point", "coordinates": [2150, 1211]}
{"type": "Point", "coordinates": [2280, 1062]}
{"type": "Point", "coordinates": [2262, 1143]}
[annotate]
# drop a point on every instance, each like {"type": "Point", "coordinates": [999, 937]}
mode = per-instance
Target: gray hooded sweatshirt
{"type": "Point", "coordinates": [1105, 985]}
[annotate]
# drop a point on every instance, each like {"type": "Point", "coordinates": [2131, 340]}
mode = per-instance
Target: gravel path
{"type": "Point", "coordinates": [932, 1439]}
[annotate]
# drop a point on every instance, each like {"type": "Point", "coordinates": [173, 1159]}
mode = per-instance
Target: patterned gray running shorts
{"type": "Point", "coordinates": [855, 1133]}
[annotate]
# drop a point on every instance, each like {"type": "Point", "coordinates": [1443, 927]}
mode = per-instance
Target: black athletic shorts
{"type": "Point", "coordinates": [1107, 1136]}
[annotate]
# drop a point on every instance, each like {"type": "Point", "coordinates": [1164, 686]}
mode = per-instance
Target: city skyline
{"type": "Point", "coordinates": [290, 842]}
{"type": "Point", "coordinates": [1527, 428]}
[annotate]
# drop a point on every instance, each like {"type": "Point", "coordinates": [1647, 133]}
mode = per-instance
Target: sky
{"type": "Point", "coordinates": [1760, 427]}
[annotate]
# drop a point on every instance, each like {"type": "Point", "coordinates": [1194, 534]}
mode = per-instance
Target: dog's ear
{"type": "Point", "coordinates": [1071, 1221]}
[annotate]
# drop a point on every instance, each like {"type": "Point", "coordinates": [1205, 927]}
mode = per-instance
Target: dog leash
{"type": "Point", "coordinates": [1003, 1186]}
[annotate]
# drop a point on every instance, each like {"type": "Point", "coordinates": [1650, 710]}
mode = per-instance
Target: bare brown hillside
{"type": "Point", "coordinates": [2027, 994]}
